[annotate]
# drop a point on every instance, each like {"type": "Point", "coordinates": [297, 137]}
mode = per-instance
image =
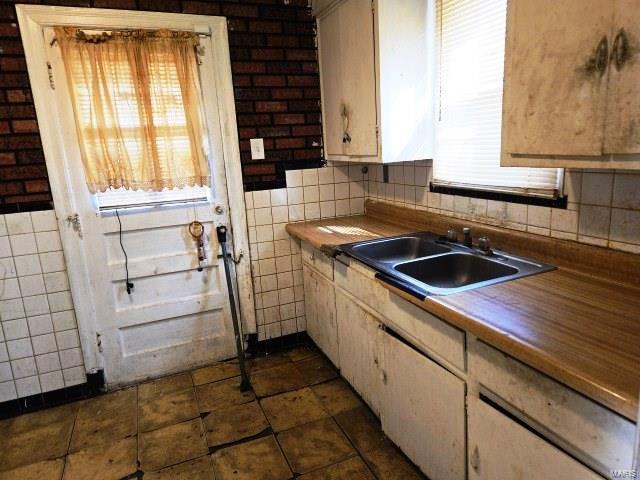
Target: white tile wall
{"type": "Point", "coordinates": [603, 209]}
{"type": "Point", "coordinates": [39, 343]}
{"type": "Point", "coordinates": [276, 263]}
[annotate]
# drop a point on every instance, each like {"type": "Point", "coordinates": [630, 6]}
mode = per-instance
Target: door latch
{"type": "Point", "coordinates": [219, 209]}
{"type": "Point", "coordinates": [74, 221]}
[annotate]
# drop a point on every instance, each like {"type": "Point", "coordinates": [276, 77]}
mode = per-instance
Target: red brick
{"type": "Point", "coordinates": [240, 10]}
{"type": "Point", "coordinates": [7, 12]}
{"type": "Point", "coordinates": [271, 106]}
{"type": "Point", "coordinates": [18, 96]}
{"type": "Point", "coordinates": [269, 81]}
{"type": "Point", "coordinates": [237, 25]}
{"type": "Point", "coordinates": [249, 119]}
{"type": "Point", "coordinates": [19, 80]}
{"type": "Point", "coordinates": [282, 41]}
{"type": "Point", "coordinates": [120, 4]}
{"type": "Point", "coordinates": [23, 172]}
{"type": "Point", "coordinates": [288, 118]}
{"type": "Point", "coordinates": [287, 93]}
{"type": "Point", "coordinates": [247, 132]}
{"type": "Point", "coordinates": [306, 154]}
{"type": "Point", "coordinates": [284, 67]}
{"type": "Point", "coordinates": [163, 6]}
{"type": "Point", "coordinates": [248, 67]}
{"type": "Point", "coordinates": [4, 127]}
{"type": "Point", "coordinates": [262, 26]}
{"type": "Point", "coordinates": [11, 188]}
{"type": "Point", "coordinates": [306, 130]}
{"type": "Point", "coordinates": [11, 46]}
{"type": "Point", "coordinates": [241, 80]}
{"type": "Point", "coordinates": [29, 157]}
{"type": "Point", "coordinates": [7, 158]}
{"type": "Point", "coordinates": [8, 30]}
{"type": "Point", "coordinates": [201, 8]}
{"type": "Point", "coordinates": [302, 80]}
{"type": "Point", "coordinates": [298, 54]}
{"type": "Point", "coordinates": [34, 197]}
{"type": "Point", "coordinates": [36, 186]}
{"type": "Point", "coordinates": [267, 54]}
{"type": "Point", "coordinates": [281, 131]}
{"type": "Point", "coordinates": [24, 126]}
{"type": "Point", "coordinates": [13, 64]}
{"type": "Point", "coordinates": [290, 142]}
{"type": "Point", "coordinates": [18, 142]}
{"type": "Point", "coordinates": [259, 169]}
{"type": "Point", "coordinates": [17, 111]}
{"type": "Point", "coordinates": [310, 67]}
{"type": "Point", "coordinates": [312, 93]}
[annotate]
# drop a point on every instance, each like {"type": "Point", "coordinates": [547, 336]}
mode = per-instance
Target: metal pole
{"type": "Point", "coordinates": [245, 383]}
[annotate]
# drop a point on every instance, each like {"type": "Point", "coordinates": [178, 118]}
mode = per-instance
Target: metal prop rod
{"type": "Point", "coordinates": [245, 383]}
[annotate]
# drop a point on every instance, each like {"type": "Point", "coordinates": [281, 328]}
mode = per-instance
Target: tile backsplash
{"type": "Point", "coordinates": [603, 208]}
{"type": "Point", "coordinates": [39, 343]}
{"type": "Point", "coordinates": [276, 265]}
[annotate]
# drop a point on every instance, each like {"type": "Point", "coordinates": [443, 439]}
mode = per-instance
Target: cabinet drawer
{"type": "Point", "coordinates": [318, 260]}
{"type": "Point", "coordinates": [501, 449]}
{"type": "Point", "coordinates": [426, 332]}
{"type": "Point", "coordinates": [597, 436]}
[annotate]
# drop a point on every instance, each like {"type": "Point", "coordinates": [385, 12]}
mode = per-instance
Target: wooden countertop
{"type": "Point", "coordinates": [579, 329]}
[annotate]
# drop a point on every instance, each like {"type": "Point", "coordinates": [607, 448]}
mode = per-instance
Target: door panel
{"type": "Point", "coordinates": [554, 97]}
{"type": "Point", "coordinates": [359, 335]}
{"type": "Point", "coordinates": [622, 134]}
{"type": "Point", "coordinates": [325, 298]}
{"type": "Point", "coordinates": [500, 449]}
{"type": "Point", "coordinates": [424, 411]}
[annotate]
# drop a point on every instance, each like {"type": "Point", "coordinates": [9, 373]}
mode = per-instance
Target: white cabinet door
{"type": "Point", "coordinates": [501, 449]}
{"type": "Point", "coordinates": [359, 349]}
{"type": "Point", "coordinates": [423, 410]}
{"type": "Point", "coordinates": [320, 308]}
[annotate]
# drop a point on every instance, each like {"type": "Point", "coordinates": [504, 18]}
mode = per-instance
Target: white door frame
{"type": "Point", "coordinates": [32, 20]}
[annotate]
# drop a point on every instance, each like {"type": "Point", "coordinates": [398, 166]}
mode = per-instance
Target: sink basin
{"type": "Point", "coordinates": [454, 270]}
{"type": "Point", "coordinates": [424, 264]}
{"type": "Point", "coordinates": [395, 250]}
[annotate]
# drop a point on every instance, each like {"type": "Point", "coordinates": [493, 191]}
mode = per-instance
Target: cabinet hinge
{"type": "Point", "coordinates": [50, 74]}
{"type": "Point", "coordinates": [99, 342]}
{"type": "Point", "coordinates": [74, 221]}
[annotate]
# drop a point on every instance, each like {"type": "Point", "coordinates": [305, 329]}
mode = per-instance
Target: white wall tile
{"type": "Point", "coordinates": [19, 223]}
{"type": "Point", "coordinates": [71, 358]}
{"type": "Point", "coordinates": [261, 199]}
{"type": "Point", "coordinates": [44, 220]}
{"type": "Point", "coordinates": [23, 244]}
{"type": "Point", "coordinates": [15, 329]}
{"type": "Point", "coordinates": [625, 225]}
{"type": "Point", "coordinates": [40, 324]}
{"type": "Point", "coordinates": [3, 226]}
{"type": "Point", "coordinates": [5, 247]}
{"type": "Point", "coordinates": [325, 176]}
{"type": "Point", "coordinates": [32, 285]}
{"type": "Point", "coordinates": [64, 320]}
{"type": "Point", "coordinates": [52, 262]}
{"type": "Point", "coordinates": [28, 386]}
{"type": "Point", "coordinates": [60, 301]}
{"type": "Point", "coordinates": [11, 309]}
{"type": "Point", "coordinates": [24, 367]}
{"type": "Point", "coordinates": [27, 265]}
{"type": "Point", "coordinates": [49, 362]}
{"type": "Point", "coordinates": [279, 197]}
{"type": "Point", "coordinates": [36, 305]}
{"type": "Point", "coordinates": [74, 376]}
{"type": "Point", "coordinates": [295, 195]}
{"type": "Point", "coordinates": [67, 339]}
{"type": "Point", "coordinates": [19, 348]}
{"type": "Point", "coordinates": [44, 344]}
{"type": "Point", "coordinates": [293, 178]}
{"type": "Point", "coordinates": [310, 176]}
{"type": "Point", "coordinates": [7, 268]}
{"type": "Point", "coordinates": [5, 372]}
{"type": "Point", "coordinates": [596, 188]}
{"type": "Point", "coordinates": [7, 391]}
{"type": "Point", "coordinates": [626, 191]}
{"type": "Point", "coordinates": [9, 289]}
{"type": "Point", "coordinates": [48, 241]}
{"type": "Point", "coordinates": [51, 381]}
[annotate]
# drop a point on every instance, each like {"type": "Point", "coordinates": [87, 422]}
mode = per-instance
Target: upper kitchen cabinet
{"type": "Point", "coordinates": [376, 72]}
{"type": "Point", "coordinates": [571, 89]}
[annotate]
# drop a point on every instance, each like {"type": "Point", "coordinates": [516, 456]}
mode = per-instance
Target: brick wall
{"type": "Point", "coordinates": [275, 77]}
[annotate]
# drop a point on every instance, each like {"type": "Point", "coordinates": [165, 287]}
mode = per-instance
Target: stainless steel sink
{"type": "Point", "coordinates": [395, 250]}
{"type": "Point", "coordinates": [424, 264]}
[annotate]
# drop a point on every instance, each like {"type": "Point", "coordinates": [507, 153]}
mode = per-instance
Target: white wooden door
{"type": "Point", "coordinates": [423, 411]}
{"type": "Point", "coordinates": [360, 349]}
{"type": "Point", "coordinates": [320, 308]}
{"type": "Point", "coordinates": [177, 317]}
{"type": "Point", "coordinates": [500, 449]}
{"type": "Point", "coordinates": [555, 87]}
{"type": "Point", "coordinates": [622, 134]}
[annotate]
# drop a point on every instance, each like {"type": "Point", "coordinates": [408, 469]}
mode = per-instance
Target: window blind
{"type": "Point", "coordinates": [470, 51]}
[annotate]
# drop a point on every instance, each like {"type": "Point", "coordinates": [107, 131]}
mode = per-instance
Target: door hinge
{"type": "Point", "coordinates": [74, 220]}
{"type": "Point", "coordinates": [50, 74]}
{"type": "Point", "coordinates": [99, 342]}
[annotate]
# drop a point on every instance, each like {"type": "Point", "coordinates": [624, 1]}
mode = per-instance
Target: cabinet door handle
{"type": "Point", "coordinates": [620, 50]}
{"type": "Point", "coordinates": [602, 55]}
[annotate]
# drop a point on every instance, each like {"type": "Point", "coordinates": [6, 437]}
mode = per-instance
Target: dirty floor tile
{"type": "Point", "coordinates": [388, 463]}
{"type": "Point", "coordinates": [214, 373]}
{"type": "Point", "coordinates": [47, 470]}
{"type": "Point", "coordinates": [105, 419]}
{"type": "Point", "coordinates": [198, 469]}
{"type": "Point", "coordinates": [222, 394]}
{"type": "Point", "coordinates": [269, 360]}
{"type": "Point", "coordinates": [352, 469]}
{"type": "Point", "coordinates": [35, 437]}
{"type": "Point", "coordinates": [163, 386]}
{"type": "Point", "coordinates": [291, 409]}
{"type": "Point", "coordinates": [167, 409]}
{"type": "Point", "coordinates": [336, 396]}
{"type": "Point", "coordinates": [363, 429]}
{"type": "Point", "coordinates": [231, 424]}
{"type": "Point", "coordinates": [316, 369]}
{"type": "Point", "coordinates": [256, 460]}
{"type": "Point", "coordinates": [301, 352]}
{"type": "Point", "coordinates": [283, 378]}
{"type": "Point", "coordinates": [171, 445]}
{"type": "Point", "coordinates": [105, 462]}
{"type": "Point", "coordinates": [315, 445]}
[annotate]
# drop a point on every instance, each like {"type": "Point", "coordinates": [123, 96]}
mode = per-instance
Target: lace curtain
{"type": "Point", "coordinates": [137, 104]}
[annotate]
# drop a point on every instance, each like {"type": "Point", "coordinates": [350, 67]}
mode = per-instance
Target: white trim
{"type": "Point", "coordinates": [32, 19]}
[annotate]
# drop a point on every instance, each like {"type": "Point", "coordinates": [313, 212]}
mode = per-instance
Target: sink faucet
{"type": "Point", "coordinates": [466, 237]}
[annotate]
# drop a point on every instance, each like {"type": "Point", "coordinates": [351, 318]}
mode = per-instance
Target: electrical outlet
{"type": "Point", "coordinates": [257, 148]}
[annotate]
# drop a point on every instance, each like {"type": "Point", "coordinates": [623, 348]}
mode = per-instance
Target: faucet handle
{"type": "Point", "coordinates": [484, 244]}
{"type": "Point", "coordinates": [452, 235]}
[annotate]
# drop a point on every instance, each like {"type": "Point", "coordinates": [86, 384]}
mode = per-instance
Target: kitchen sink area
{"type": "Point", "coordinates": [424, 263]}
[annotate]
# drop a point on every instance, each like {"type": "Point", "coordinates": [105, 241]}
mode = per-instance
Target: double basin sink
{"type": "Point", "coordinates": [424, 264]}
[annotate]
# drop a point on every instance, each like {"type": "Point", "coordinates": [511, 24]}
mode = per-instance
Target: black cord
{"type": "Point", "coordinates": [126, 259]}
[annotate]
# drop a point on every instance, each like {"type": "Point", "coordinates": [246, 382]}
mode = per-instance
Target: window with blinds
{"type": "Point", "coordinates": [470, 52]}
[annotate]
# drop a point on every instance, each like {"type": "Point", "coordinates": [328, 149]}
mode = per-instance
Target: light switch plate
{"type": "Point", "coordinates": [257, 148]}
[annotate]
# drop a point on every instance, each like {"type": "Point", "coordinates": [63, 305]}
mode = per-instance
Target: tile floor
{"type": "Point", "coordinates": [299, 421]}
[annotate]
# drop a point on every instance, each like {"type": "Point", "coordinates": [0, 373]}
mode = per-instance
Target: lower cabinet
{"type": "Point", "coordinates": [360, 347]}
{"type": "Point", "coordinates": [423, 410]}
{"type": "Point", "coordinates": [320, 310]}
{"type": "Point", "coordinates": [502, 449]}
